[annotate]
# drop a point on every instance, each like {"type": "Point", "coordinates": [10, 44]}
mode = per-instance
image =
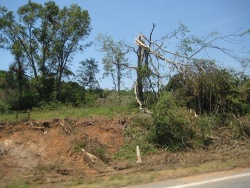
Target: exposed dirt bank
{"type": "Point", "coordinates": [57, 151]}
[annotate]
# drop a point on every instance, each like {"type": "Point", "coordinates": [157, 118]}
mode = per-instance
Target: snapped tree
{"type": "Point", "coordinates": [156, 60]}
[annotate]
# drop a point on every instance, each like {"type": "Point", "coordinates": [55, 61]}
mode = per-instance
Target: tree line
{"type": "Point", "coordinates": [43, 40]}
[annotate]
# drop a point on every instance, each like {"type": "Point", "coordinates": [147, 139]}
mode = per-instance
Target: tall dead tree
{"type": "Point", "coordinates": [143, 70]}
{"type": "Point", "coordinates": [139, 84]}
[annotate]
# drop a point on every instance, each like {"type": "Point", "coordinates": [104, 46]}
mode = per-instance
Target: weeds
{"type": "Point", "coordinates": [138, 133]}
{"type": "Point", "coordinates": [92, 146]}
{"type": "Point", "coordinates": [65, 112]}
{"type": "Point", "coordinates": [110, 105]}
{"type": "Point", "coordinates": [78, 146]}
{"type": "Point", "coordinates": [18, 184]}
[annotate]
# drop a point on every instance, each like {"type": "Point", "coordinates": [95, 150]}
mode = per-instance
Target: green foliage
{"type": "Point", "coordinates": [238, 128]}
{"type": "Point", "coordinates": [205, 124]}
{"type": "Point", "coordinates": [150, 98]}
{"type": "Point", "coordinates": [115, 101]}
{"type": "Point", "coordinates": [93, 147]}
{"type": "Point", "coordinates": [87, 73]}
{"type": "Point", "coordinates": [48, 106]}
{"type": "Point", "coordinates": [246, 124]}
{"type": "Point", "coordinates": [203, 127]}
{"type": "Point", "coordinates": [18, 184]}
{"type": "Point", "coordinates": [3, 107]}
{"type": "Point", "coordinates": [138, 133]}
{"type": "Point", "coordinates": [206, 88]}
{"type": "Point", "coordinates": [173, 124]}
{"type": "Point", "coordinates": [56, 109]}
{"type": "Point", "coordinates": [73, 93]}
{"type": "Point", "coordinates": [176, 128]}
{"type": "Point", "coordinates": [114, 60]}
{"type": "Point", "coordinates": [43, 40]}
{"type": "Point", "coordinates": [91, 98]}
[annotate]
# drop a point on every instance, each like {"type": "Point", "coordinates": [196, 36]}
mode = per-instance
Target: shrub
{"type": "Point", "coordinates": [204, 124]}
{"type": "Point", "coordinates": [138, 133]}
{"type": "Point", "coordinates": [92, 146]}
{"type": "Point", "coordinates": [53, 105]}
{"type": "Point", "coordinates": [3, 107]}
{"type": "Point", "coordinates": [172, 124]}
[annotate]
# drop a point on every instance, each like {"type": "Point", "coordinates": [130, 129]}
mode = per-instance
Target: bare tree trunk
{"type": "Point", "coordinates": [119, 78]}
{"type": "Point", "coordinates": [114, 82]}
{"type": "Point", "coordinates": [140, 55]}
{"type": "Point", "coordinates": [210, 102]}
{"type": "Point", "coordinates": [200, 100]}
{"type": "Point", "coordinates": [20, 83]}
{"type": "Point", "coordinates": [59, 80]}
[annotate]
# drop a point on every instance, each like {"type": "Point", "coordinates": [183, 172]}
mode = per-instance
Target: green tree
{"type": "Point", "coordinates": [114, 60]}
{"type": "Point", "coordinates": [28, 18]}
{"type": "Point", "coordinates": [47, 37]}
{"type": "Point", "coordinates": [73, 93]}
{"type": "Point", "coordinates": [244, 91]}
{"type": "Point", "coordinates": [207, 88]}
{"type": "Point", "coordinates": [87, 73]}
{"type": "Point", "coordinates": [17, 90]}
{"type": "Point", "coordinates": [3, 102]}
{"type": "Point", "coordinates": [71, 26]}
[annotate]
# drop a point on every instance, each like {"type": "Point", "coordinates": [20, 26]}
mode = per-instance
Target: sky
{"type": "Point", "coordinates": [124, 19]}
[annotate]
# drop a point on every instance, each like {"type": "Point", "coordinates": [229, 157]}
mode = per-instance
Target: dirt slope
{"type": "Point", "coordinates": [33, 149]}
{"type": "Point", "coordinates": [57, 151]}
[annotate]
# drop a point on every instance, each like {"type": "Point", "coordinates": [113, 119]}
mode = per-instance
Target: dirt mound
{"type": "Point", "coordinates": [58, 148]}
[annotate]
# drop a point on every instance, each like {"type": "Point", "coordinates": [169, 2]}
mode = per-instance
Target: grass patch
{"type": "Point", "coordinates": [18, 184]}
{"type": "Point", "coordinates": [109, 105]}
{"type": "Point", "coordinates": [65, 112]}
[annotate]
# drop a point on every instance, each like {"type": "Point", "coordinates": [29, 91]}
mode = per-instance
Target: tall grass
{"type": "Point", "coordinates": [65, 112]}
{"type": "Point", "coordinates": [138, 133]}
{"type": "Point", "coordinates": [110, 106]}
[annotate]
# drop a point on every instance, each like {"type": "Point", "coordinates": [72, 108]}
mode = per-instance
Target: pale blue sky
{"type": "Point", "coordinates": [124, 19]}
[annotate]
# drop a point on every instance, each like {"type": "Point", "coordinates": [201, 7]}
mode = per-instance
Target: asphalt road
{"type": "Point", "coordinates": [227, 179]}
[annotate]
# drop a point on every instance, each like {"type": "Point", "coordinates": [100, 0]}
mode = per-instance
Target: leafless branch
{"type": "Point", "coordinates": [159, 52]}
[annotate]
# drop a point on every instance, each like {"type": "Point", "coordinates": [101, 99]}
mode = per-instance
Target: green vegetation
{"type": "Point", "coordinates": [138, 133]}
{"type": "Point", "coordinates": [18, 184]}
{"type": "Point", "coordinates": [93, 147]}
{"type": "Point", "coordinates": [173, 124]}
{"type": "Point", "coordinates": [177, 102]}
{"type": "Point", "coordinates": [43, 40]}
{"type": "Point", "coordinates": [182, 117]}
{"type": "Point", "coordinates": [109, 105]}
{"type": "Point", "coordinates": [187, 107]}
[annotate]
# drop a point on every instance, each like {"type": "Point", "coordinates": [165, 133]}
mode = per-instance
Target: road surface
{"type": "Point", "coordinates": [227, 179]}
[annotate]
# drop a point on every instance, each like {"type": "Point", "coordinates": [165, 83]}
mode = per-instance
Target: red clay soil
{"type": "Point", "coordinates": [59, 150]}
{"type": "Point", "coordinates": [35, 148]}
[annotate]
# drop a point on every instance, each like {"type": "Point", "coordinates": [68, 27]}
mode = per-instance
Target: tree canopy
{"type": "Point", "coordinates": [44, 39]}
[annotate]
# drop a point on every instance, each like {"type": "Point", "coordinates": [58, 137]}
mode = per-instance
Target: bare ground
{"type": "Point", "coordinates": [57, 151]}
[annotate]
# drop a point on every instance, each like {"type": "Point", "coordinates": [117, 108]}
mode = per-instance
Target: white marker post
{"type": "Point", "coordinates": [138, 154]}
